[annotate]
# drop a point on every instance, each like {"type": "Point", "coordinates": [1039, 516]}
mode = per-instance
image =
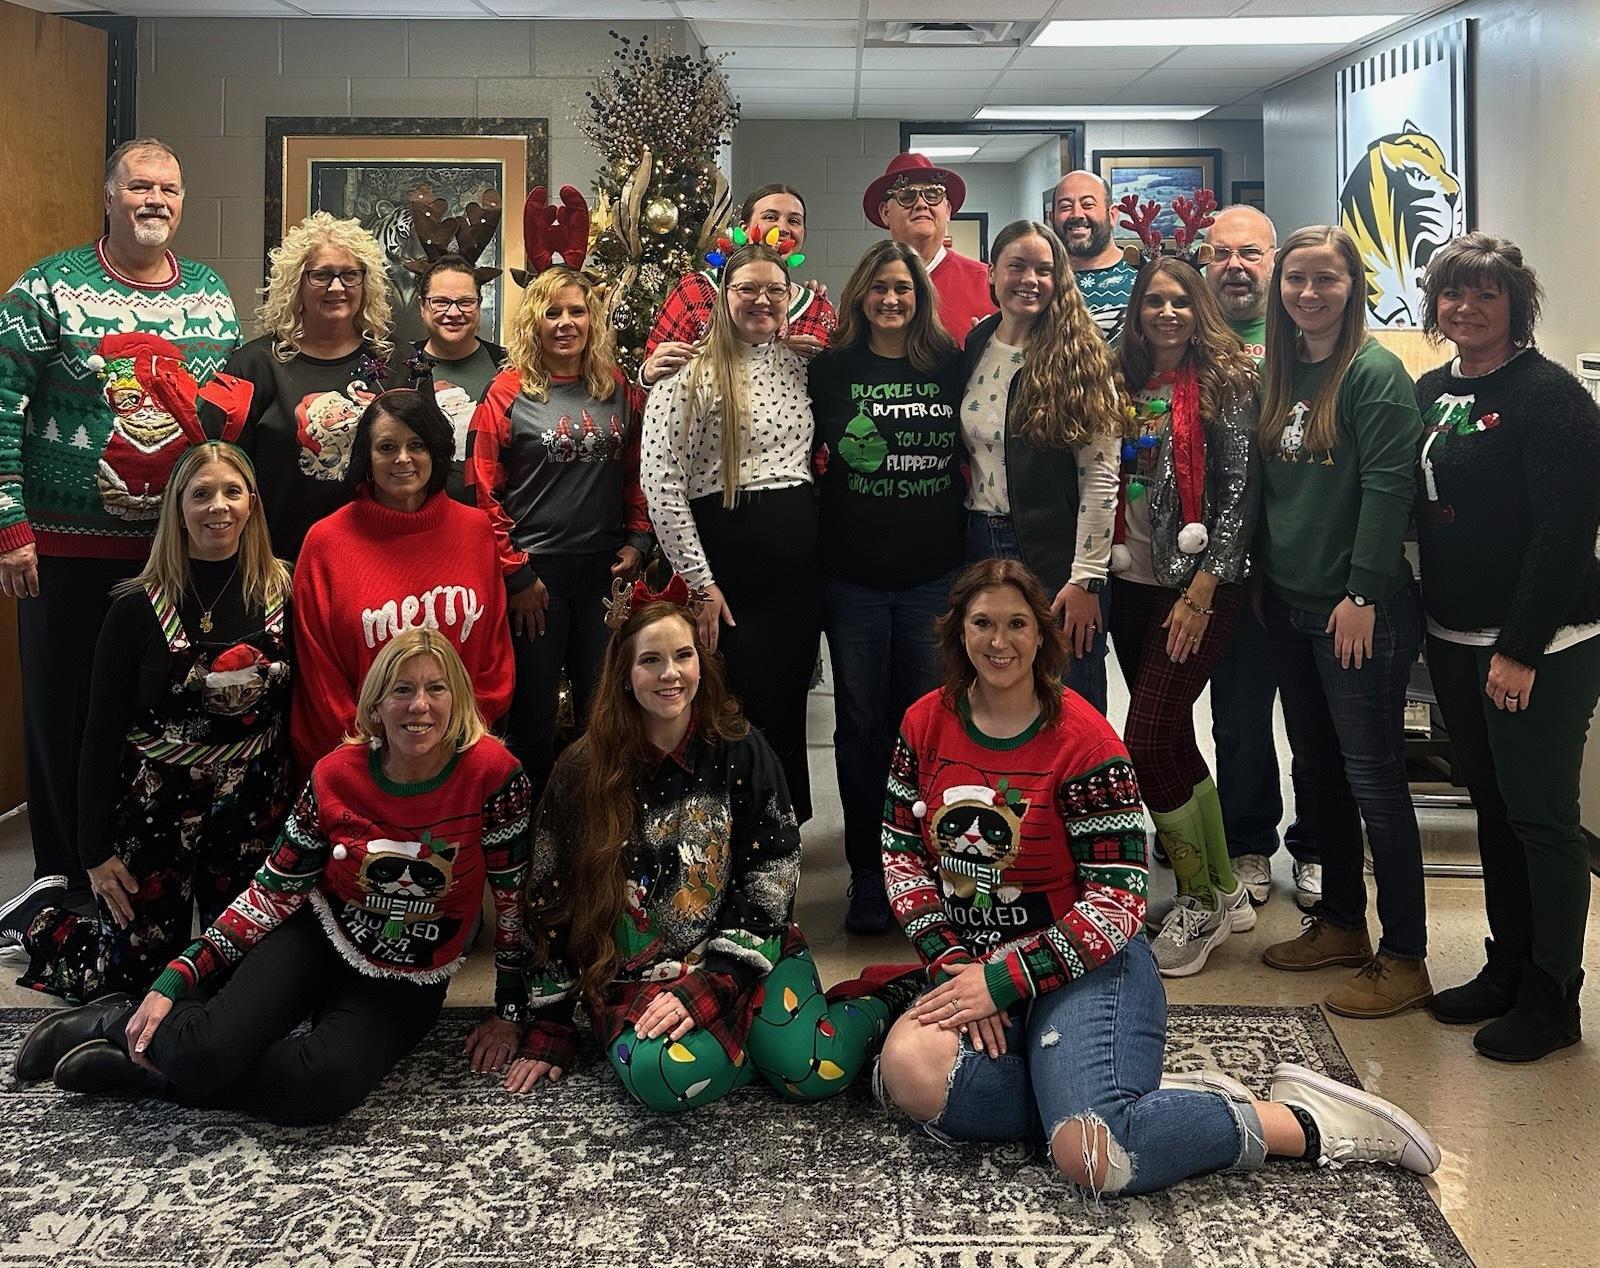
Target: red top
{"type": "Point", "coordinates": [963, 287]}
{"type": "Point", "coordinates": [685, 314]}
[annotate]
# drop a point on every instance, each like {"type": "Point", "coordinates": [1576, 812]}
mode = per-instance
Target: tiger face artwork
{"type": "Point", "coordinates": [1400, 202]}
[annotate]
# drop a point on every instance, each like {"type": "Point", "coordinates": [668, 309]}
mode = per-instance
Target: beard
{"type": "Point", "coordinates": [151, 231]}
{"type": "Point", "coordinates": [1245, 307]}
{"type": "Point", "coordinates": [1099, 236]}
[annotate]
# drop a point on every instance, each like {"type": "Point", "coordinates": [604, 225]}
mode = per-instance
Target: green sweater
{"type": "Point", "coordinates": [55, 420]}
{"type": "Point", "coordinates": [1332, 522]}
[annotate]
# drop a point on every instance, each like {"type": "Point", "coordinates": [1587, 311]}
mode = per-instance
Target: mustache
{"type": "Point", "coordinates": [1077, 222]}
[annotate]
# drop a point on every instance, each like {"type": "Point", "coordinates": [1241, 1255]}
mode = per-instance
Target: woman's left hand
{"type": "Point", "coordinates": [963, 999]}
{"type": "Point", "coordinates": [1080, 617]}
{"type": "Point", "coordinates": [492, 1043]}
{"type": "Point", "coordinates": [1351, 626]}
{"type": "Point", "coordinates": [1509, 684]}
{"type": "Point", "coordinates": [664, 1015]}
{"type": "Point", "coordinates": [1185, 627]}
{"type": "Point", "coordinates": [629, 560]}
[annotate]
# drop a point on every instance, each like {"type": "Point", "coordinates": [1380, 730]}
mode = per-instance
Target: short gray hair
{"type": "Point", "coordinates": [135, 146]}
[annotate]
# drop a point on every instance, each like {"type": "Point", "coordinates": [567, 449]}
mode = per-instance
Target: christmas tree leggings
{"type": "Point", "coordinates": [807, 1048]}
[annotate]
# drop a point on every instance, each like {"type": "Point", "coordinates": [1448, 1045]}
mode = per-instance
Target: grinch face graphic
{"type": "Point", "coordinates": [862, 448]}
{"type": "Point", "coordinates": [978, 832]}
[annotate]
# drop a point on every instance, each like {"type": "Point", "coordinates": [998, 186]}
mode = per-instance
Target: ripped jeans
{"type": "Point", "coordinates": [1092, 1051]}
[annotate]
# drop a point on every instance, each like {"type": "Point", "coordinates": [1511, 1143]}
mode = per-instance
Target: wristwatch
{"type": "Point", "coordinates": [1095, 585]}
{"type": "Point", "coordinates": [1360, 600]}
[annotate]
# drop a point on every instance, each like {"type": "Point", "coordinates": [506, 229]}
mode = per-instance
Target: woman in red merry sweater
{"type": "Point", "coordinates": [402, 556]}
{"type": "Point", "coordinates": [358, 920]}
{"type": "Point", "coordinates": [1014, 854]}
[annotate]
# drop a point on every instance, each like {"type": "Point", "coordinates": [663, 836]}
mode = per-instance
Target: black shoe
{"type": "Point", "coordinates": [869, 903]}
{"type": "Point", "coordinates": [100, 1068]}
{"type": "Point", "coordinates": [18, 912]}
{"type": "Point", "coordinates": [61, 1032]}
{"type": "Point", "coordinates": [1489, 995]}
{"type": "Point", "coordinates": [1544, 1020]}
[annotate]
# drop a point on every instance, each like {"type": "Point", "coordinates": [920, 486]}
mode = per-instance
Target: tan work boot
{"type": "Point", "coordinates": [1385, 986]}
{"type": "Point", "coordinates": [1320, 946]}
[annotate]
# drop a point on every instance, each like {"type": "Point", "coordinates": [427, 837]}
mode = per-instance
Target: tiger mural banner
{"type": "Point", "coordinates": [1403, 164]}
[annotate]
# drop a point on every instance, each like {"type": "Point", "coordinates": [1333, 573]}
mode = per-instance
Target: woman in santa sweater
{"type": "Point", "coordinates": [1014, 850]}
{"type": "Point", "coordinates": [403, 555]}
{"type": "Point", "coordinates": [357, 920]}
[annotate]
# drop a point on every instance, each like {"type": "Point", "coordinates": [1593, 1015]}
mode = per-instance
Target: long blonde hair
{"type": "Point", "coordinates": [263, 577]}
{"type": "Point", "coordinates": [718, 367]}
{"type": "Point", "coordinates": [525, 353]}
{"type": "Point", "coordinates": [465, 727]}
{"type": "Point", "coordinates": [1283, 346]}
{"type": "Point", "coordinates": [1066, 392]}
{"type": "Point", "coordinates": [281, 313]}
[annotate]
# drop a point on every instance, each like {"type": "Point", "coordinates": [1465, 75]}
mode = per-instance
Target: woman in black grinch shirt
{"type": "Point", "coordinates": [891, 529]}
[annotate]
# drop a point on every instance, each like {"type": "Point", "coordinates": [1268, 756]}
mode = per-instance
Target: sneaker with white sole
{"type": "Point", "coordinates": [1188, 935]}
{"type": "Point", "coordinates": [1307, 885]}
{"type": "Point", "coordinates": [17, 913]}
{"type": "Point", "coordinates": [1241, 915]}
{"type": "Point", "coordinates": [1208, 1081]}
{"type": "Point", "coordinates": [1255, 872]}
{"type": "Point", "coordinates": [1355, 1126]}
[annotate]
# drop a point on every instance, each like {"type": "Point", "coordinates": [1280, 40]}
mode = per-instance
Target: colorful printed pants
{"type": "Point", "coordinates": [805, 1047]}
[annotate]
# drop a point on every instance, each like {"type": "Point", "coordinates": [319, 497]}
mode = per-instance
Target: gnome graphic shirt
{"type": "Point", "coordinates": [888, 462]}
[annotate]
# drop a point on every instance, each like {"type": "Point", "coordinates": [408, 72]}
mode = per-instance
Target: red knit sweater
{"type": "Point", "coordinates": [963, 287]}
{"type": "Point", "coordinates": [365, 574]}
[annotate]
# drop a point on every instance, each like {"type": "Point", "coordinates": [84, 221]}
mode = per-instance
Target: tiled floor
{"type": "Point", "coordinates": [1519, 1184]}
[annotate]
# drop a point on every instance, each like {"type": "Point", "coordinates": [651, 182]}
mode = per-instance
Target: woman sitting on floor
{"type": "Point", "coordinates": [1015, 855]}
{"type": "Point", "coordinates": [358, 920]}
{"type": "Point", "coordinates": [662, 888]}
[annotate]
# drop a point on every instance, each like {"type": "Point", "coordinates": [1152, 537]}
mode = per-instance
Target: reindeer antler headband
{"type": "Point", "coordinates": [1194, 218]}
{"type": "Point", "coordinates": [467, 235]}
{"type": "Point", "coordinates": [553, 235]}
{"type": "Point", "coordinates": [625, 598]}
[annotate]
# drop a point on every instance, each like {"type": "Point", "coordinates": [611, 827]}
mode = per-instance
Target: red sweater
{"type": "Point", "coordinates": [365, 574]}
{"type": "Point", "coordinates": [963, 287]}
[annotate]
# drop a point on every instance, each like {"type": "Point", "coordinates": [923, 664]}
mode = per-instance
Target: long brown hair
{"type": "Point", "coordinates": [599, 773]}
{"type": "Point", "coordinates": [928, 344]}
{"type": "Point", "coordinates": [1227, 373]}
{"type": "Point", "coordinates": [1283, 345]}
{"type": "Point", "coordinates": [1065, 391]}
{"type": "Point", "coordinates": [1048, 665]}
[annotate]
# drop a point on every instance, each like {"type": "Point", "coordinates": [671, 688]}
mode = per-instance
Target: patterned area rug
{"type": "Point", "coordinates": [441, 1168]}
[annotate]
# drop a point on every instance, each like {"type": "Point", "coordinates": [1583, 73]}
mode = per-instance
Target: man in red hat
{"type": "Point", "coordinates": [914, 201]}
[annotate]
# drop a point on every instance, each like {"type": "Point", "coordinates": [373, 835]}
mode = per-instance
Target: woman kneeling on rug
{"type": "Point", "coordinates": [1015, 858]}
{"type": "Point", "coordinates": [357, 920]}
{"type": "Point", "coordinates": [662, 884]}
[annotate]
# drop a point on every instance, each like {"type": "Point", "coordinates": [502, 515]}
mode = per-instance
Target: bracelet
{"type": "Point", "coordinates": [1195, 607]}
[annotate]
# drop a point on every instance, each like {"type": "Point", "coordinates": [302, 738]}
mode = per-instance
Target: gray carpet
{"type": "Point", "coordinates": [441, 1168]}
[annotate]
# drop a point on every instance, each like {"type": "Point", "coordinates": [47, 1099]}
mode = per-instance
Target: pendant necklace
{"type": "Point", "coordinates": [208, 609]}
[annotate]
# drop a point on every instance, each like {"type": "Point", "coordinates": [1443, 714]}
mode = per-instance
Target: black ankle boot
{"type": "Point", "coordinates": [1491, 994]}
{"type": "Point", "coordinates": [100, 1068]}
{"type": "Point", "coordinates": [1544, 1020]}
{"type": "Point", "coordinates": [61, 1032]}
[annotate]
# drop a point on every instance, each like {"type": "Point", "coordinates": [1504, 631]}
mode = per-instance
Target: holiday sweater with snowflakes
{"type": "Point", "coordinates": [1024, 854]}
{"type": "Point", "coordinates": [55, 420]}
{"type": "Point", "coordinates": [393, 871]}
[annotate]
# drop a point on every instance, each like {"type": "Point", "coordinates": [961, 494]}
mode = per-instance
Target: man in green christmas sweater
{"type": "Point", "coordinates": [83, 460]}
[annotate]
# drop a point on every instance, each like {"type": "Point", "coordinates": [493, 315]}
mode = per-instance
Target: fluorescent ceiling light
{"type": "Point", "coordinates": [1088, 113]}
{"type": "Point", "coordinates": [1141, 32]}
{"type": "Point", "coordinates": [948, 151]}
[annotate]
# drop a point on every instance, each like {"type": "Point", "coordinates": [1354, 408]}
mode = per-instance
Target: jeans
{"type": "Point", "coordinates": [1093, 1050]}
{"type": "Point", "coordinates": [885, 656]}
{"type": "Point", "coordinates": [995, 537]}
{"type": "Point", "coordinates": [1347, 728]}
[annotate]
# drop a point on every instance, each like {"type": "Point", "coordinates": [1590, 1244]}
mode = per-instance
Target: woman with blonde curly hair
{"type": "Point", "coordinates": [326, 316]}
{"type": "Point", "coordinates": [553, 458]}
{"type": "Point", "coordinates": [1041, 420]}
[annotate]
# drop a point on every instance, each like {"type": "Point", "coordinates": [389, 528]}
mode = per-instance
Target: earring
{"type": "Point", "coordinates": [375, 742]}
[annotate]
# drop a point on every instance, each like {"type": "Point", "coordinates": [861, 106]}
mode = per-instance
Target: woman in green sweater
{"type": "Point", "coordinates": [1338, 433]}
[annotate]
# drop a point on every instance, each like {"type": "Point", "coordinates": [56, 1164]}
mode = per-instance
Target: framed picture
{"type": "Point", "coordinates": [1250, 194]}
{"type": "Point", "coordinates": [1162, 175]}
{"type": "Point", "coordinates": [367, 169]}
{"type": "Point", "coordinates": [1404, 123]}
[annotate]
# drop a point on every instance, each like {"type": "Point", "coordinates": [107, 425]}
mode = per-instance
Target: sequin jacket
{"type": "Point", "coordinates": [711, 869]}
{"type": "Point", "coordinates": [1231, 502]}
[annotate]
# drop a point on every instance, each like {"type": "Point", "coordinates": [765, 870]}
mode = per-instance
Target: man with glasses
{"type": "Point", "coordinates": [1084, 217]}
{"type": "Point", "coordinates": [914, 201]}
{"type": "Point", "coordinates": [82, 465]}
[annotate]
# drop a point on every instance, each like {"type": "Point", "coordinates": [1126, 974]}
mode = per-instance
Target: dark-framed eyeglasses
{"type": "Point", "coordinates": [1250, 255]}
{"type": "Point", "coordinates": [439, 305]}
{"type": "Point", "coordinates": [350, 279]}
{"type": "Point", "coordinates": [778, 292]}
{"type": "Point", "coordinates": [907, 195]}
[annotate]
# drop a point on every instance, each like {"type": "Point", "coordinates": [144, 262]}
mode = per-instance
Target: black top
{"type": "Point", "coordinates": [888, 454]}
{"type": "Point", "coordinates": [458, 386]}
{"type": "Point", "coordinates": [1508, 502]}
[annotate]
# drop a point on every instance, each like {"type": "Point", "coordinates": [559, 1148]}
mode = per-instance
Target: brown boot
{"type": "Point", "coordinates": [1320, 946]}
{"type": "Point", "coordinates": [1385, 986]}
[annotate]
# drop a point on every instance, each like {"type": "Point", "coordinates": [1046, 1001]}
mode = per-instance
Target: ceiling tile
{"type": "Point", "coordinates": [1299, 8]}
{"type": "Point", "coordinates": [956, 10]}
{"type": "Point", "coordinates": [798, 110]}
{"type": "Point", "coordinates": [1109, 58]}
{"type": "Point", "coordinates": [214, 8]}
{"type": "Point", "coordinates": [780, 57]}
{"type": "Point", "coordinates": [1042, 84]}
{"type": "Point", "coordinates": [753, 78]}
{"type": "Point", "coordinates": [388, 9]}
{"type": "Point", "coordinates": [805, 32]}
{"type": "Point", "coordinates": [1151, 92]}
{"type": "Point", "coordinates": [1066, 95]}
{"type": "Point", "coordinates": [1255, 56]}
{"type": "Point", "coordinates": [759, 10]}
{"type": "Point", "coordinates": [915, 79]}
{"type": "Point", "coordinates": [935, 58]}
{"type": "Point", "coordinates": [611, 10]}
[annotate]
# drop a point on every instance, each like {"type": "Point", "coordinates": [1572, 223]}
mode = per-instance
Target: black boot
{"type": "Point", "coordinates": [100, 1068]}
{"type": "Point", "coordinates": [1491, 994]}
{"type": "Point", "coordinates": [1544, 1020]}
{"type": "Point", "coordinates": [58, 1034]}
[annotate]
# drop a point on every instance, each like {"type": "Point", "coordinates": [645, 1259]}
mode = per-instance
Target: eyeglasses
{"type": "Point", "coordinates": [439, 305]}
{"type": "Point", "coordinates": [907, 195]}
{"type": "Point", "coordinates": [748, 291]}
{"type": "Point", "coordinates": [348, 278]}
{"type": "Point", "coordinates": [1250, 255]}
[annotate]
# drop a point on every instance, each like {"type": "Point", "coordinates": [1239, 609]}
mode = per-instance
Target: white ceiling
{"type": "Point", "coordinates": [830, 64]}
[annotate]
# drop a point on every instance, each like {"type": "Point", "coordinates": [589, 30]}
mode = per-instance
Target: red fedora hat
{"type": "Point", "coordinates": [918, 167]}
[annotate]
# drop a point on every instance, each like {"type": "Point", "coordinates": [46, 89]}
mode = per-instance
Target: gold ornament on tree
{"type": "Point", "coordinates": [660, 215]}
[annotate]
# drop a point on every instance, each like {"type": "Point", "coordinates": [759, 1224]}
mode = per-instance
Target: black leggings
{"type": "Point", "coordinates": [235, 1050]}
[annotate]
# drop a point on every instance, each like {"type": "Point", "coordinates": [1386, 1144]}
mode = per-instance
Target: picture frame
{"type": "Point", "coordinates": [1249, 194]}
{"type": "Point", "coordinates": [1159, 174]}
{"type": "Point", "coordinates": [366, 168]}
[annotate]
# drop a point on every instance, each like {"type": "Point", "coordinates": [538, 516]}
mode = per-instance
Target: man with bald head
{"type": "Point", "coordinates": [1244, 244]}
{"type": "Point", "coordinates": [1083, 217]}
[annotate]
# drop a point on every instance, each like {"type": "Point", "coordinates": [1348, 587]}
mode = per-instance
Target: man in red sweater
{"type": "Point", "coordinates": [914, 201]}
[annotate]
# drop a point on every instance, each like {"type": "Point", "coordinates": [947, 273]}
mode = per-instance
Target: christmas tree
{"type": "Point", "coordinates": [657, 118]}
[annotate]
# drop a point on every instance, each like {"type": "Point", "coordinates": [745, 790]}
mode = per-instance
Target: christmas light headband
{"type": "Point", "coordinates": [625, 598]}
{"type": "Point", "coordinates": [467, 235]}
{"type": "Point", "coordinates": [553, 235]}
{"type": "Point", "coordinates": [1195, 218]}
{"type": "Point", "coordinates": [736, 237]}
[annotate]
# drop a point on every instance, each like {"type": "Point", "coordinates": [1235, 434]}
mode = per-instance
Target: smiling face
{"type": "Point", "coordinates": [783, 212]}
{"type": "Point", "coordinates": [415, 711]}
{"type": "Point", "coordinates": [891, 300]}
{"type": "Point", "coordinates": [1001, 636]}
{"type": "Point", "coordinates": [564, 330]}
{"type": "Point", "coordinates": [1315, 287]}
{"type": "Point", "coordinates": [216, 506]}
{"type": "Point", "coordinates": [1082, 215]}
{"type": "Point", "coordinates": [336, 303]}
{"type": "Point", "coordinates": [1024, 277]}
{"type": "Point", "coordinates": [1166, 319]}
{"type": "Point", "coordinates": [757, 298]}
{"type": "Point", "coordinates": [1477, 319]}
{"type": "Point", "coordinates": [918, 225]}
{"type": "Point", "coordinates": [401, 465]}
{"type": "Point", "coordinates": [144, 205]}
{"type": "Point", "coordinates": [665, 671]}
{"type": "Point", "coordinates": [450, 312]}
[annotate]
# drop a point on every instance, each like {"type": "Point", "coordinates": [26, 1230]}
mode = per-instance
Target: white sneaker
{"type": "Point", "coordinates": [1307, 885]}
{"type": "Point", "coordinates": [1241, 915]}
{"type": "Point", "coordinates": [1255, 871]}
{"type": "Point", "coordinates": [1355, 1126]}
{"type": "Point", "coordinates": [1187, 937]}
{"type": "Point", "coordinates": [1208, 1081]}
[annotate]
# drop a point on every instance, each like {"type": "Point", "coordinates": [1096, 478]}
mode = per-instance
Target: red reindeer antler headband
{"type": "Point", "coordinates": [1195, 217]}
{"type": "Point", "coordinates": [625, 598]}
{"type": "Point", "coordinates": [553, 235]}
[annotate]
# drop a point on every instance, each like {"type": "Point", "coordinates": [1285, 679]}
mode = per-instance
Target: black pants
{"type": "Point", "coordinates": [235, 1051]}
{"type": "Point", "coordinates": [763, 554]}
{"type": "Point", "coordinates": [56, 636]}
